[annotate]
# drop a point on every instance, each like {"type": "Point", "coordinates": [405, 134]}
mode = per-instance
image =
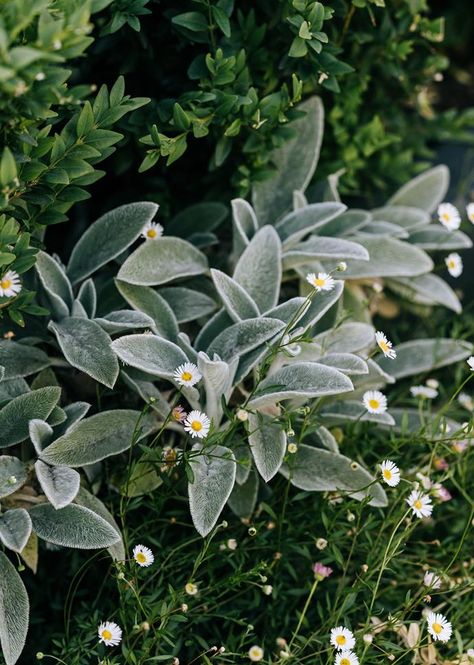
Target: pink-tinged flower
{"type": "Point", "coordinates": [441, 493]}
{"type": "Point", "coordinates": [179, 414]}
{"type": "Point", "coordinates": [459, 446]}
{"type": "Point", "coordinates": [440, 464]}
{"type": "Point", "coordinates": [321, 571]}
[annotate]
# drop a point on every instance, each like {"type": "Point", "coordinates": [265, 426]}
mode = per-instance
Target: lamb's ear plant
{"type": "Point", "coordinates": [263, 357]}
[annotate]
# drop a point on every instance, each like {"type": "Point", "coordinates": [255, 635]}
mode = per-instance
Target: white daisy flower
{"type": "Point", "coordinates": [109, 633]}
{"type": "Point", "coordinates": [425, 392]}
{"type": "Point", "coordinates": [191, 589]}
{"type": "Point", "coordinates": [420, 504]}
{"type": "Point", "coordinates": [152, 230]}
{"type": "Point", "coordinates": [432, 383]}
{"type": "Point", "coordinates": [255, 653]}
{"type": "Point", "coordinates": [384, 345]}
{"type": "Point", "coordinates": [321, 282]}
{"type": "Point", "coordinates": [439, 627]}
{"type": "Point", "coordinates": [10, 284]}
{"type": "Point", "coordinates": [454, 264]}
{"type": "Point", "coordinates": [342, 638]}
{"type": "Point", "coordinates": [390, 473]}
{"type": "Point", "coordinates": [449, 216]}
{"type": "Point", "coordinates": [143, 556]}
{"type": "Point", "coordinates": [470, 212]}
{"type": "Point", "coordinates": [431, 580]}
{"type": "Point", "coordinates": [470, 362]}
{"type": "Point", "coordinates": [374, 401]}
{"type": "Point", "coordinates": [197, 424]}
{"type": "Point", "coordinates": [346, 658]}
{"type": "Point", "coordinates": [466, 401]}
{"type": "Point", "coordinates": [187, 374]}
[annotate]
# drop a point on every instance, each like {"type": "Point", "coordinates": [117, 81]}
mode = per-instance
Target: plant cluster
{"type": "Point", "coordinates": [236, 373]}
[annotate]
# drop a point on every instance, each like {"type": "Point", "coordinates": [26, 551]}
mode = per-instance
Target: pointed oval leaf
{"type": "Point", "coordinates": [197, 218]}
{"type": "Point", "coordinates": [161, 261]}
{"type": "Point", "coordinates": [244, 225]}
{"type": "Point", "coordinates": [348, 363]}
{"type": "Point", "coordinates": [217, 378]}
{"type": "Point", "coordinates": [14, 611]}
{"type": "Point", "coordinates": [295, 161]}
{"type": "Point", "coordinates": [88, 500]}
{"type": "Point", "coordinates": [108, 237]}
{"type": "Point", "coordinates": [267, 440]}
{"type": "Point", "coordinates": [425, 191]}
{"type": "Point", "coordinates": [73, 526]}
{"type": "Point", "coordinates": [59, 483]}
{"type": "Point", "coordinates": [235, 299]}
{"type": "Point", "coordinates": [15, 416]}
{"type": "Point", "coordinates": [258, 270]}
{"type": "Point", "coordinates": [95, 438]}
{"type": "Point", "coordinates": [320, 304]}
{"type": "Point", "coordinates": [149, 353]}
{"type": "Point", "coordinates": [87, 347]}
{"type": "Point", "coordinates": [303, 221]}
{"type": "Point", "coordinates": [300, 380]}
{"type": "Point", "coordinates": [13, 475]}
{"type": "Point", "coordinates": [54, 281]}
{"type": "Point", "coordinates": [290, 311]}
{"type": "Point", "coordinates": [349, 337]}
{"type": "Point", "coordinates": [87, 296]}
{"type": "Point", "coordinates": [187, 304]}
{"type": "Point", "coordinates": [381, 228]}
{"type": "Point", "coordinates": [320, 248]}
{"type": "Point", "coordinates": [389, 257]}
{"type": "Point", "coordinates": [149, 302]}
{"type": "Point", "coordinates": [407, 217]}
{"type": "Point", "coordinates": [352, 410]}
{"type": "Point", "coordinates": [74, 412]}
{"type": "Point", "coordinates": [244, 336]}
{"type": "Point", "coordinates": [437, 238]}
{"type": "Point", "coordinates": [15, 529]}
{"type": "Point", "coordinates": [124, 320]}
{"type": "Point", "coordinates": [40, 433]}
{"type": "Point", "coordinates": [346, 224]}
{"type": "Point", "coordinates": [318, 470]}
{"type": "Point", "coordinates": [426, 290]}
{"type": "Point", "coordinates": [425, 355]}
{"type": "Point", "coordinates": [19, 360]}
{"type": "Point", "coordinates": [214, 478]}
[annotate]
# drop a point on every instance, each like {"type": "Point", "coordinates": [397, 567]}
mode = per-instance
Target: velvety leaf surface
{"type": "Point", "coordinates": [14, 611]}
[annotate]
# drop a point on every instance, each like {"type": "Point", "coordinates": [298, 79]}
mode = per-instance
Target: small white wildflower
{"type": "Point", "coordinates": [10, 284]}
{"type": "Point", "coordinates": [424, 392]}
{"type": "Point", "coordinates": [454, 264]}
{"type": "Point", "coordinates": [342, 266]}
{"type": "Point", "coordinates": [11, 480]}
{"type": "Point", "coordinates": [374, 401]}
{"type": "Point", "coordinates": [431, 580]}
{"type": "Point", "coordinates": [321, 282]}
{"type": "Point", "coordinates": [187, 374]}
{"type": "Point", "coordinates": [466, 401]}
{"type": "Point", "coordinates": [267, 589]}
{"type": "Point", "coordinates": [470, 212]}
{"type": "Point", "coordinates": [390, 473]}
{"type": "Point", "coordinates": [420, 504]}
{"type": "Point", "coordinates": [152, 230]}
{"type": "Point", "coordinates": [346, 658]}
{"type": "Point", "coordinates": [143, 556]}
{"type": "Point", "coordinates": [449, 216]}
{"type": "Point", "coordinates": [432, 383]}
{"type": "Point", "coordinates": [255, 653]}
{"type": "Point", "coordinates": [242, 415]}
{"type": "Point", "coordinates": [342, 638]}
{"type": "Point", "coordinates": [40, 76]}
{"type": "Point", "coordinates": [232, 544]}
{"type": "Point", "coordinates": [321, 543]}
{"type": "Point", "coordinates": [470, 362]}
{"type": "Point", "coordinates": [439, 627]}
{"type": "Point", "coordinates": [384, 345]}
{"type": "Point", "coordinates": [292, 448]}
{"type": "Point", "coordinates": [197, 424]}
{"type": "Point", "coordinates": [109, 633]}
{"type": "Point", "coordinates": [191, 589]}
{"type": "Point", "coordinates": [368, 638]}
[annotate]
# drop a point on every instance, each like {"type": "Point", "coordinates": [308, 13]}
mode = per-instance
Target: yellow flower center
{"type": "Point", "coordinates": [374, 403]}
{"type": "Point", "coordinates": [106, 634]}
{"type": "Point", "coordinates": [345, 661]}
{"type": "Point", "coordinates": [140, 557]}
{"type": "Point", "coordinates": [340, 639]}
{"type": "Point", "coordinates": [445, 216]}
{"type": "Point", "coordinates": [5, 283]}
{"type": "Point", "coordinates": [196, 425]}
{"type": "Point", "coordinates": [186, 376]}
{"type": "Point", "coordinates": [387, 474]}
{"type": "Point", "coordinates": [418, 504]}
{"type": "Point", "coordinates": [384, 346]}
{"type": "Point", "coordinates": [151, 233]}
{"type": "Point", "coordinates": [319, 281]}
{"type": "Point", "coordinates": [437, 627]}
{"type": "Point", "coordinates": [451, 264]}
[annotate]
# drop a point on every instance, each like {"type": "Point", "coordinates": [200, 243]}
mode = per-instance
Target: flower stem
{"type": "Point", "coordinates": [303, 613]}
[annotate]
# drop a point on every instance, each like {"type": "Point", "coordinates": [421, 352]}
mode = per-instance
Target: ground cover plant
{"type": "Point", "coordinates": [241, 431]}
